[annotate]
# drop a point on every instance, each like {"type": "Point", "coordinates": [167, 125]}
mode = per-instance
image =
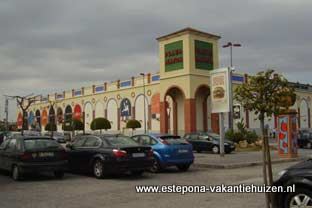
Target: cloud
{"type": "Point", "coordinates": [49, 46]}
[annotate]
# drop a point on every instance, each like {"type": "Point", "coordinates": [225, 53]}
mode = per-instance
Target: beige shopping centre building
{"type": "Point", "coordinates": [177, 99]}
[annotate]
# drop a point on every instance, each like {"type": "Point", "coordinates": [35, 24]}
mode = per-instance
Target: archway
{"type": "Point", "coordinates": [59, 117]}
{"type": "Point", "coordinates": [44, 118]}
{"type": "Point", "coordinates": [52, 115]}
{"type": "Point", "coordinates": [112, 114]}
{"type": "Point", "coordinates": [175, 110]}
{"type": "Point", "coordinates": [20, 120]}
{"type": "Point", "coordinates": [88, 115]}
{"type": "Point", "coordinates": [139, 112]}
{"type": "Point", "coordinates": [201, 97]}
{"type": "Point", "coordinates": [304, 119]}
{"type": "Point", "coordinates": [77, 112]}
{"type": "Point", "coordinates": [38, 120]}
{"type": "Point", "coordinates": [68, 113]}
{"type": "Point", "coordinates": [31, 120]}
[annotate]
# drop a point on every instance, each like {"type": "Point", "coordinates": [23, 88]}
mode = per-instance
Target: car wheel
{"type": "Point", "coordinates": [16, 174]}
{"type": "Point", "coordinates": [59, 174]}
{"type": "Point", "coordinates": [309, 145]}
{"type": "Point", "coordinates": [98, 169]}
{"type": "Point", "coordinates": [137, 172]}
{"type": "Point", "coordinates": [156, 166]}
{"type": "Point", "coordinates": [215, 149]}
{"type": "Point", "coordinates": [301, 198]}
{"type": "Point", "coordinates": [183, 167]}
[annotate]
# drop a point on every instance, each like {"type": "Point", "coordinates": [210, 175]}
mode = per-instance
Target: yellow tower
{"type": "Point", "coordinates": [186, 59]}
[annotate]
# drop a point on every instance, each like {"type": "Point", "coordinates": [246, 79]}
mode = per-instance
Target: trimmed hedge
{"type": "Point", "coordinates": [74, 125]}
{"type": "Point", "coordinates": [100, 123]}
{"type": "Point", "coordinates": [133, 124]}
{"type": "Point", "coordinates": [50, 127]}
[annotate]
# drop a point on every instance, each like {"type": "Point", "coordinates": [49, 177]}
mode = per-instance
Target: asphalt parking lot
{"type": "Point", "coordinates": [83, 191]}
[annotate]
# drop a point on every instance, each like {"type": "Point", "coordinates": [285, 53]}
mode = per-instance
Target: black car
{"type": "Point", "coordinates": [59, 137]}
{"type": "Point", "coordinates": [109, 154]}
{"type": "Point", "coordinates": [28, 154]}
{"type": "Point", "coordinates": [205, 141]}
{"type": "Point", "coordinates": [299, 175]}
{"type": "Point", "coordinates": [305, 140]}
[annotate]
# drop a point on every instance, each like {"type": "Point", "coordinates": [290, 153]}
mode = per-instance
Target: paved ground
{"type": "Point", "coordinates": [80, 191]}
{"type": "Point", "coordinates": [241, 158]}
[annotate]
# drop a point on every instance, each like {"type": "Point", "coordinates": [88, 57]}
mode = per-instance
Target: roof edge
{"type": "Point", "coordinates": [187, 30]}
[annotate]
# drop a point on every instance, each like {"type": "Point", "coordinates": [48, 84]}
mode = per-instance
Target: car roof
{"type": "Point", "coordinates": [157, 135]}
{"type": "Point", "coordinates": [32, 137]}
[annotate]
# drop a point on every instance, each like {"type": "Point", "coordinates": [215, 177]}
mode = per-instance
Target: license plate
{"type": "Point", "coordinates": [183, 151]}
{"type": "Point", "coordinates": [46, 154]}
{"type": "Point", "coordinates": [138, 154]}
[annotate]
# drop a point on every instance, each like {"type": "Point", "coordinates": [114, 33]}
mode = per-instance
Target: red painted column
{"type": "Point", "coordinates": [190, 115]}
{"type": "Point", "coordinates": [163, 118]}
{"type": "Point", "coordinates": [205, 115]}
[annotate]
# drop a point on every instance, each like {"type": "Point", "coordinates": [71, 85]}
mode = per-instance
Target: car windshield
{"type": "Point", "coordinates": [173, 139]}
{"type": "Point", "coordinates": [32, 144]}
{"type": "Point", "coordinates": [120, 140]}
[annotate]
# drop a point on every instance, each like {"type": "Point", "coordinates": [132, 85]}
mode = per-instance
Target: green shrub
{"type": "Point", "coordinates": [133, 124]}
{"type": "Point", "coordinates": [229, 134]}
{"type": "Point", "coordinates": [251, 137]}
{"type": "Point", "coordinates": [241, 134]}
{"type": "Point", "coordinates": [100, 123]}
{"type": "Point", "coordinates": [72, 125]}
{"type": "Point", "coordinates": [50, 127]}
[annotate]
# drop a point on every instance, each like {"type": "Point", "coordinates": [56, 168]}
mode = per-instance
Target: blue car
{"type": "Point", "coordinates": [168, 151]}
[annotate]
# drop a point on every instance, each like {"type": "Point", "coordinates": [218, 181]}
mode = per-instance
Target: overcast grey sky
{"type": "Point", "coordinates": [52, 45]}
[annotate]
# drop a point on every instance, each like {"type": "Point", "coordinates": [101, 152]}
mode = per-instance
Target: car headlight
{"type": "Point", "coordinates": [281, 173]}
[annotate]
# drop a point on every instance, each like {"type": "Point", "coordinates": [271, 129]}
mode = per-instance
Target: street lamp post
{"type": "Point", "coordinates": [231, 45]}
{"type": "Point", "coordinates": [143, 76]}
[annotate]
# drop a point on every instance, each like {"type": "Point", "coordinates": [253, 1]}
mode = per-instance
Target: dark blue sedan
{"type": "Point", "coordinates": [168, 151]}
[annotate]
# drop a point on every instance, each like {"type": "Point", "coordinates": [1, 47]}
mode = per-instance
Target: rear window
{"type": "Point", "coordinates": [174, 139]}
{"type": "Point", "coordinates": [32, 144]}
{"type": "Point", "coordinates": [120, 140]}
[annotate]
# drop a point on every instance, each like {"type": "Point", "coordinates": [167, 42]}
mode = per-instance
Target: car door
{"type": "Point", "coordinates": [196, 142]}
{"type": "Point", "coordinates": [75, 153]}
{"type": "Point", "coordinates": [210, 143]}
{"type": "Point", "coordinates": [89, 149]}
{"type": "Point", "coordinates": [2, 149]}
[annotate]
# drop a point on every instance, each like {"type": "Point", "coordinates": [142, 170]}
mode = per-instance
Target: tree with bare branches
{"type": "Point", "coordinates": [24, 102]}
